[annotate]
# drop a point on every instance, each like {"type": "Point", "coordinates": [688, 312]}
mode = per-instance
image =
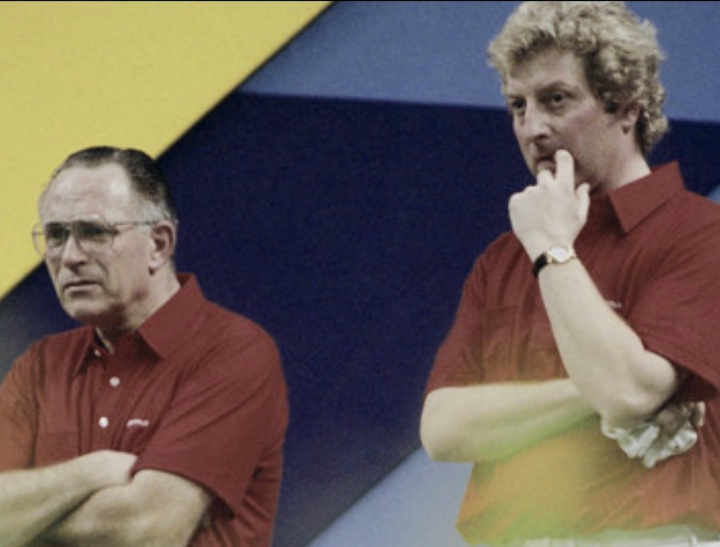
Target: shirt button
{"type": "Point", "coordinates": [97, 353]}
{"type": "Point", "coordinates": [103, 422]}
{"type": "Point", "coordinates": [114, 381]}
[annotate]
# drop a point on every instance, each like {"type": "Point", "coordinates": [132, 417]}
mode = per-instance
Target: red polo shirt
{"type": "Point", "coordinates": [653, 250]}
{"type": "Point", "coordinates": [197, 391]}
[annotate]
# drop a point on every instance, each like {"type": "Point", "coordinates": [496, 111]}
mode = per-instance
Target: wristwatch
{"type": "Point", "coordinates": [557, 254]}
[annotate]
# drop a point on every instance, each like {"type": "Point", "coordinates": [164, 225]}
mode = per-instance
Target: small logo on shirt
{"type": "Point", "coordinates": [137, 422]}
{"type": "Point", "coordinates": [614, 305]}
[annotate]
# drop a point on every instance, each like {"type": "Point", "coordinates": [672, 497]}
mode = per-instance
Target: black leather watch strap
{"type": "Point", "coordinates": [539, 264]}
{"type": "Point", "coordinates": [557, 254]}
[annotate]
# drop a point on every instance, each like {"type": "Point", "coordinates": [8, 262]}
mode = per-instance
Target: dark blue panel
{"type": "Point", "coordinates": [27, 313]}
{"type": "Point", "coordinates": [346, 229]}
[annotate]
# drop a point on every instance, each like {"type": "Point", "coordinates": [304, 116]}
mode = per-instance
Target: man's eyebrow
{"type": "Point", "coordinates": [550, 86]}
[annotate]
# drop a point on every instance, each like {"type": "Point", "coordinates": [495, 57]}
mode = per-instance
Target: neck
{"type": "Point", "coordinates": [625, 170]}
{"type": "Point", "coordinates": [162, 289]}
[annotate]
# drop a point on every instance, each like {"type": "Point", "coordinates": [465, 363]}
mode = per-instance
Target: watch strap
{"type": "Point", "coordinates": [566, 253]}
{"type": "Point", "coordinates": [539, 264]}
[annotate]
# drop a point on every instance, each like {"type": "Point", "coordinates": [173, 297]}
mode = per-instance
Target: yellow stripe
{"type": "Point", "coordinates": [76, 74]}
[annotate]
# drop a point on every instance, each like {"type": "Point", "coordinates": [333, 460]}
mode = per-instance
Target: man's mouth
{"type": "Point", "coordinates": [545, 163]}
{"type": "Point", "coordinates": [78, 285]}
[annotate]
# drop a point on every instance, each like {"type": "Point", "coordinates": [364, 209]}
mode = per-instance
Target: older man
{"type": "Point", "coordinates": [161, 420]}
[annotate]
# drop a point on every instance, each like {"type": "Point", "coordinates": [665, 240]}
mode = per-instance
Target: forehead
{"type": "Point", "coordinates": [552, 67]}
{"type": "Point", "coordinates": [79, 191]}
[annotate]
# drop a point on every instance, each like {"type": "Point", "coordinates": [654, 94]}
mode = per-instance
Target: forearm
{"type": "Point", "coordinates": [32, 500]}
{"type": "Point", "coordinates": [154, 510]}
{"type": "Point", "coordinates": [492, 421]}
{"type": "Point", "coordinates": [606, 359]}
{"type": "Point", "coordinates": [98, 521]}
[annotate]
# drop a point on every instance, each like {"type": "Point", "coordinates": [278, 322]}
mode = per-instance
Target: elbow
{"type": "Point", "coordinates": [434, 447]}
{"type": "Point", "coordinates": [636, 396]}
{"type": "Point", "coordinates": [630, 409]}
{"type": "Point", "coordinates": [436, 436]}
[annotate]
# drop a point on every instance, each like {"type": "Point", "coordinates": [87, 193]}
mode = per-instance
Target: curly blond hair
{"type": "Point", "coordinates": [620, 53]}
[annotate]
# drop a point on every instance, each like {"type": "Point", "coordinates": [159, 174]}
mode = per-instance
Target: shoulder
{"type": "Point", "coordinates": [709, 207]}
{"type": "Point", "coordinates": [696, 217]}
{"type": "Point", "coordinates": [63, 344]}
{"type": "Point", "coordinates": [236, 345]}
{"type": "Point", "coordinates": [501, 254]}
{"type": "Point", "coordinates": [51, 359]}
{"type": "Point", "coordinates": [228, 325]}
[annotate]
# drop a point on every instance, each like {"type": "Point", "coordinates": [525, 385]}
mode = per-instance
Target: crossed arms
{"type": "Point", "coordinates": [93, 500]}
{"type": "Point", "coordinates": [611, 374]}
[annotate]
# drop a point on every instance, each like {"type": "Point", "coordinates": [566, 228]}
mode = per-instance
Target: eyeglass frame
{"type": "Point", "coordinates": [113, 229]}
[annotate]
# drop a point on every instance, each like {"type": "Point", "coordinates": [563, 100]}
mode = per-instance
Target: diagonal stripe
{"type": "Point", "coordinates": [139, 74]}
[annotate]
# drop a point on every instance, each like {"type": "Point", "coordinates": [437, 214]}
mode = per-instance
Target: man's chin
{"type": "Point", "coordinates": [82, 313]}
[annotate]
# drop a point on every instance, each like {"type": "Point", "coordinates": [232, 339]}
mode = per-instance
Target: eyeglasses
{"type": "Point", "coordinates": [93, 235]}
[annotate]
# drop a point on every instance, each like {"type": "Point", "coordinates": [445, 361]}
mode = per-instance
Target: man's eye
{"type": "Point", "coordinates": [516, 106]}
{"type": "Point", "coordinates": [93, 231]}
{"type": "Point", "coordinates": [56, 233]}
{"type": "Point", "coordinates": [556, 99]}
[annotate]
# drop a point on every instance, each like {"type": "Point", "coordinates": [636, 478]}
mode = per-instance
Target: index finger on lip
{"type": "Point", "coordinates": [565, 168]}
{"type": "Point", "coordinates": [544, 176]}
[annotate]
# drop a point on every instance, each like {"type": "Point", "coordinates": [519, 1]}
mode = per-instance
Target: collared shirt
{"type": "Point", "coordinates": [197, 391]}
{"type": "Point", "coordinates": [653, 250]}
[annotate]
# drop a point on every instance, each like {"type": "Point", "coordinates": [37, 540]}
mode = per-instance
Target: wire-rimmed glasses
{"type": "Point", "coordinates": [93, 235]}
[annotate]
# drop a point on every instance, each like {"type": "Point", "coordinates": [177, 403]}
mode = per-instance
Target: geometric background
{"type": "Point", "coordinates": [338, 196]}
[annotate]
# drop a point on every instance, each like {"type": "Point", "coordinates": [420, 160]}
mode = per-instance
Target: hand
{"type": "Point", "coordinates": [671, 432]}
{"type": "Point", "coordinates": [553, 211]}
{"type": "Point", "coordinates": [110, 468]}
{"type": "Point", "coordinates": [673, 417]}
{"type": "Point", "coordinates": [678, 424]}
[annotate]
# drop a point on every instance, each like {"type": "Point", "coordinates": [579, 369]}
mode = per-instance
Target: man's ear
{"type": "Point", "coordinates": [163, 237]}
{"type": "Point", "coordinates": [629, 116]}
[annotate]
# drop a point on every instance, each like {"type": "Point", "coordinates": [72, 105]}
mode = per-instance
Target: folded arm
{"type": "Point", "coordinates": [32, 500]}
{"type": "Point", "coordinates": [623, 381]}
{"type": "Point", "coordinates": [602, 354]}
{"type": "Point", "coordinates": [155, 509]}
{"type": "Point", "coordinates": [491, 421]}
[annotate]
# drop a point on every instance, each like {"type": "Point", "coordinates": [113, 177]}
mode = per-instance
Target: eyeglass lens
{"type": "Point", "coordinates": [90, 235]}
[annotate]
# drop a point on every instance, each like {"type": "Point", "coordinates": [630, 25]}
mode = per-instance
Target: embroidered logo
{"type": "Point", "coordinates": [137, 422]}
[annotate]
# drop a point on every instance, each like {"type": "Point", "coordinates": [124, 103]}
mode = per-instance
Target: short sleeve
{"type": "Point", "coordinates": [458, 361]}
{"type": "Point", "coordinates": [226, 418]}
{"type": "Point", "coordinates": [678, 315]}
{"type": "Point", "coordinates": [18, 415]}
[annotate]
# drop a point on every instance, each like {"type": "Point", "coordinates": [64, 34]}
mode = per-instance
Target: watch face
{"type": "Point", "coordinates": [560, 254]}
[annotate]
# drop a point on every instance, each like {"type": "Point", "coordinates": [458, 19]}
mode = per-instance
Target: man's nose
{"type": "Point", "coordinates": [72, 252]}
{"type": "Point", "coordinates": [533, 123]}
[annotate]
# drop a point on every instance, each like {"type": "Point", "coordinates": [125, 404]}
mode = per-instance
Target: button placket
{"type": "Point", "coordinates": [107, 397]}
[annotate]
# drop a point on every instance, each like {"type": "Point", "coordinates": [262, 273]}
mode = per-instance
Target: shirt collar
{"type": "Point", "coordinates": [162, 330]}
{"type": "Point", "coordinates": [171, 323]}
{"type": "Point", "coordinates": [636, 201]}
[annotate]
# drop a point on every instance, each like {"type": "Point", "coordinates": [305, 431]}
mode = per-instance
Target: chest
{"type": "Point", "coordinates": [110, 404]}
{"type": "Point", "coordinates": [516, 333]}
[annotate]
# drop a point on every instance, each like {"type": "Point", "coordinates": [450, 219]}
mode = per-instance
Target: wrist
{"type": "Point", "coordinates": [555, 254]}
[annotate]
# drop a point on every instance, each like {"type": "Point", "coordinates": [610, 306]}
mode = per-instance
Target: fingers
{"type": "Point", "coordinates": [565, 169]}
{"type": "Point", "coordinates": [671, 418]}
{"type": "Point", "coordinates": [698, 414]}
{"type": "Point", "coordinates": [582, 194]}
{"type": "Point", "coordinates": [564, 175]}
